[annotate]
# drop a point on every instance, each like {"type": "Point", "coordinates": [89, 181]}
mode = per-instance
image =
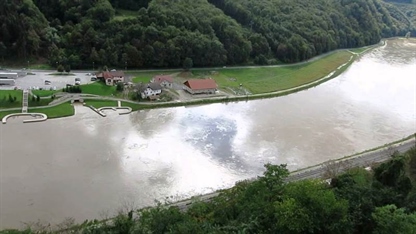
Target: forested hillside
{"type": "Point", "coordinates": [163, 33]}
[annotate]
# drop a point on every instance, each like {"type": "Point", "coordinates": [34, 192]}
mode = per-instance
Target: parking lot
{"type": "Point", "coordinates": [37, 80]}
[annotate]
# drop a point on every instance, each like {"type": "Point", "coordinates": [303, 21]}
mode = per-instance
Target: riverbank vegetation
{"type": "Point", "coordinates": [210, 33]}
{"type": "Point", "coordinates": [358, 201]}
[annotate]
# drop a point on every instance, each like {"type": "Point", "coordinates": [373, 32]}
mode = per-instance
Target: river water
{"type": "Point", "coordinates": [89, 167]}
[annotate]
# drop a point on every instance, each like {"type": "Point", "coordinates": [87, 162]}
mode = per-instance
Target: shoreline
{"type": "Point", "coordinates": [223, 99]}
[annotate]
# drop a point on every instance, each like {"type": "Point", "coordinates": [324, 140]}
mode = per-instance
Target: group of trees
{"type": "Point", "coordinates": [72, 89]}
{"type": "Point", "coordinates": [8, 99]}
{"type": "Point", "coordinates": [167, 33]}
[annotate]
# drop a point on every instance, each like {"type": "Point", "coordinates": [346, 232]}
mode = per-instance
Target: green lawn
{"type": "Point", "coordinates": [269, 79]}
{"type": "Point", "coordinates": [4, 98]}
{"type": "Point", "coordinates": [145, 77]}
{"type": "Point", "coordinates": [45, 93]}
{"type": "Point", "coordinates": [62, 110]}
{"type": "Point", "coordinates": [133, 106]}
{"type": "Point", "coordinates": [99, 88]}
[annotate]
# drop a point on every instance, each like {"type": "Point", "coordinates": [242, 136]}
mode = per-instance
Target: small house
{"type": "Point", "coordinates": [201, 86]}
{"type": "Point", "coordinates": [164, 80]}
{"type": "Point", "coordinates": [111, 77]}
{"type": "Point", "coordinates": [150, 90]}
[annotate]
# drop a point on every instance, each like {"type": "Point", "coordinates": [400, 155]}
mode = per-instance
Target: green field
{"type": "Point", "coordinates": [4, 98]}
{"type": "Point", "coordinates": [269, 79]}
{"type": "Point", "coordinates": [99, 88]}
{"type": "Point", "coordinates": [145, 77]}
{"type": "Point", "coordinates": [45, 93]}
{"type": "Point", "coordinates": [62, 110]}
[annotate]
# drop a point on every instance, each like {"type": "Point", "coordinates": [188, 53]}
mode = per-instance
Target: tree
{"type": "Point", "coordinates": [311, 207]}
{"type": "Point", "coordinates": [391, 220]}
{"type": "Point", "coordinates": [67, 68]}
{"type": "Point", "coordinates": [120, 87]}
{"type": "Point", "coordinates": [38, 98]}
{"type": "Point", "coordinates": [60, 68]}
{"type": "Point", "coordinates": [188, 64]}
{"type": "Point", "coordinates": [33, 98]}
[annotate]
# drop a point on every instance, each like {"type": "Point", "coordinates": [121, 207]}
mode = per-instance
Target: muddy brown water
{"type": "Point", "coordinates": [89, 167]}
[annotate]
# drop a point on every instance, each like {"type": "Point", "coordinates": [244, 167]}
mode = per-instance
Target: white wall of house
{"type": "Point", "coordinates": [114, 80]}
{"type": "Point", "coordinates": [200, 91]}
{"type": "Point", "coordinates": [150, 92]}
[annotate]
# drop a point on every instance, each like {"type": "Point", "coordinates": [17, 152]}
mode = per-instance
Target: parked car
{"type": "Point", "coordinates": [77, 81]}
{"type": "Point", "coordinates": [93, 78]}
{"type": "Point", "coordinates": [47, 82]}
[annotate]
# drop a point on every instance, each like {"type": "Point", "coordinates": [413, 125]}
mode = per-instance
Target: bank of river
{"type": "Point", "coordinates": [88, 167]}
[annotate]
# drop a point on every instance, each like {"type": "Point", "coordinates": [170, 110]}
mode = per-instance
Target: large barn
{"type": "Point", "coordinates": [201, 86]}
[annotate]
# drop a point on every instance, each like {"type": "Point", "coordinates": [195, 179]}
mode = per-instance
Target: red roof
{"type": "Point", "coordinates": [112, 74]}
{"type": "Point", "coordinates": [161, 78]}
{"type": "Point", "coordinates": [197, 84]}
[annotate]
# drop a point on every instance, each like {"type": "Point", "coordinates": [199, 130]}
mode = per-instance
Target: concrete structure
{"type": "Point", "coordinates": [112, 77]}
{"type": "Point", "coordinates": [151, 90]}
{"type": "Point", "coordinates": [164, 81]}
{"type": "Point", "coordinates": [25, 100]}
{"type": "Point", "coordinates": [201, 86]}
{"type": "Point", "coordinates": [42, 116]}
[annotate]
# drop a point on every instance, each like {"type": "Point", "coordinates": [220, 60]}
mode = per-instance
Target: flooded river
{"type": "Point", "coordinates": [89, 167]}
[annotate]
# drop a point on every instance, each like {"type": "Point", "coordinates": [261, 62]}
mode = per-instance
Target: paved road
{"type": "Point", "coordinates": [318, 171]}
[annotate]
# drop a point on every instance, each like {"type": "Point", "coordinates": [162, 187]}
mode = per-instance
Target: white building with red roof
{"type": "Point", "coordinates": [165, 81]}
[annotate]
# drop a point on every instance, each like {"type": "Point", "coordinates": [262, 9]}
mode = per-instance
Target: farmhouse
{"type": "Point", "coordinates": [164, 81]}
{"type": "Point", "coordinates": [112, 77]}
{"type": "Point", "coordinates": [200, 86]}
{"type": "Point", "coordinates": [151, 90]}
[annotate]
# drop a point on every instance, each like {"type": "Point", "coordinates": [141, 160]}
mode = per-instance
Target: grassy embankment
{"type": "Point", "coordinates": [262, 80]}
{"type": "Point", "coordinates": [45, 93]}
{"type": "Point", "coordinates": [62, 110]}
{"type": "Point", "coordinates": [99, 88]}
{"type": "Point", "coordinates": [270, 79]}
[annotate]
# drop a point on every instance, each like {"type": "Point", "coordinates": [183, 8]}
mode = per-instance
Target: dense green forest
{"type": "Point", "coordinates": [382, 201]}
{"type": "Point", "coordinates": [163, 33]}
